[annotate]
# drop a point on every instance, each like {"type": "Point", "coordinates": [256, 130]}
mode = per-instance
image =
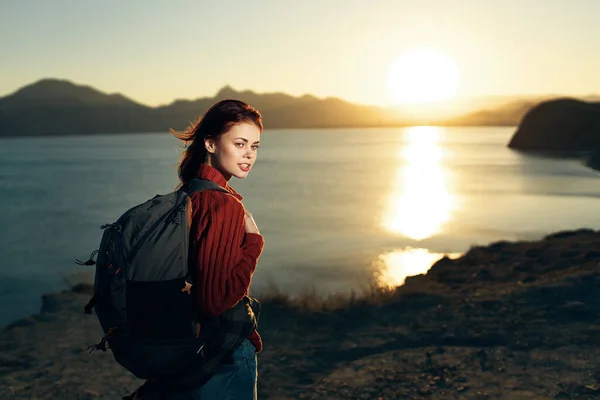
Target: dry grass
{"type": "Point", "coordinates": [310, 300]}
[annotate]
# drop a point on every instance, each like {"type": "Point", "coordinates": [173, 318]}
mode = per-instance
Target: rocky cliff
{"type": "Point", "coordinates": [560, 125]}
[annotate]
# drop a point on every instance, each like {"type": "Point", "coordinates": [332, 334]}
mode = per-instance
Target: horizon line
{"type": "Point", "coordinates": [524, 96]}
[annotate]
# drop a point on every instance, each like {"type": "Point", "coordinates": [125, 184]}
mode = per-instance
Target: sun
{"type": "Point", "coordinates": [423, 75]}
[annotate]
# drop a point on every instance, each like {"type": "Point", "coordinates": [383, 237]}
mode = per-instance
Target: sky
{"type": "Point", "coordinates": [157, 51]}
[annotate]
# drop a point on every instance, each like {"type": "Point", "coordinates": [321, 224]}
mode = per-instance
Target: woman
{"type": "Point", "coordinates": [225, 242]}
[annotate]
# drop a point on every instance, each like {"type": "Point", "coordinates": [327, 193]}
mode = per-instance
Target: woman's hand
{"type": "Point", "coordinates": [251, 224]}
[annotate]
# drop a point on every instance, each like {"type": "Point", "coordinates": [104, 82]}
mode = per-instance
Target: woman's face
{"type": "Point", "coordinates": [234, 152]}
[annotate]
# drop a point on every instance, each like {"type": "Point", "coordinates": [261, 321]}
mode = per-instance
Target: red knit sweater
{"type": "Point", "coordinates": [226, 254]}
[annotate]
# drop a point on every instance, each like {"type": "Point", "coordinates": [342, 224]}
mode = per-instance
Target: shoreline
{"type": "Point", "coordinates": [508, 320]}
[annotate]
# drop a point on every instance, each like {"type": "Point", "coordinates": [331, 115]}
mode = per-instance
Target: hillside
{"type": "Point", "coordinates": [54, 107]}
{"type": "Point", "coordinates": [509, 114]}
{"type": "Point", "coordinates": [60, 107]}
{"type": "Point", "coordinates": [559, 125]}
{"type": "Point", "coordinates": [510, 320]}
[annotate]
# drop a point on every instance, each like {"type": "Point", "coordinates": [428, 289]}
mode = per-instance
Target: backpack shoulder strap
{"type": "Point", "coordinates": [198, 185]}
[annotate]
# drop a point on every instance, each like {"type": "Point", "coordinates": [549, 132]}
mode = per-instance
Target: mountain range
{"type": "Point", "coordinates": [60, 107]}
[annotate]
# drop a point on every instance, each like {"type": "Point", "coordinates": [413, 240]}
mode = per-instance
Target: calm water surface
{"type": "Point", "coordinates": [339, 209]}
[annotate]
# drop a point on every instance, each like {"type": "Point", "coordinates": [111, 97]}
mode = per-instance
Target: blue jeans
{"type": "Point", "coordinates": [236, 381]}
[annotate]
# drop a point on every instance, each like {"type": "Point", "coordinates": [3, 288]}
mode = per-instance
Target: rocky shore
{"type": "Point", "coordinates": [511, 320]}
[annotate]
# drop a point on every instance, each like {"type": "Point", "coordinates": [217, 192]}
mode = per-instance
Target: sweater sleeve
{"type": "Point", "coordinates": [226, 254]}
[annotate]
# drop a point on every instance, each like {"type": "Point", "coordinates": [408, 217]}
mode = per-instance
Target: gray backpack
{"type": "Point", "coordinates": [142, 286]}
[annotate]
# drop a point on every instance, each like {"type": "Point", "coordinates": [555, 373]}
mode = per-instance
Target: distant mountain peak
{"type": "Point", "coordinates": [53, 88]}
{"type": "Point", "coordinates": [50, 86]}
{"type": "Point", "coordinates": [227, 91]}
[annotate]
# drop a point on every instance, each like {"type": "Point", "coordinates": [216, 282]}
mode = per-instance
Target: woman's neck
{"type": "Point", "coordinates": [211, 162]}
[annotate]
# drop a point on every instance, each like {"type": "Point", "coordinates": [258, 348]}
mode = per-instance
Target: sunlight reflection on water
{"type": "Point", "coordinates": [422, 201]}
{"type": "Point", "coordinates": [392, 268]}
{"type": "Point", "coordinates": [419, 207]}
